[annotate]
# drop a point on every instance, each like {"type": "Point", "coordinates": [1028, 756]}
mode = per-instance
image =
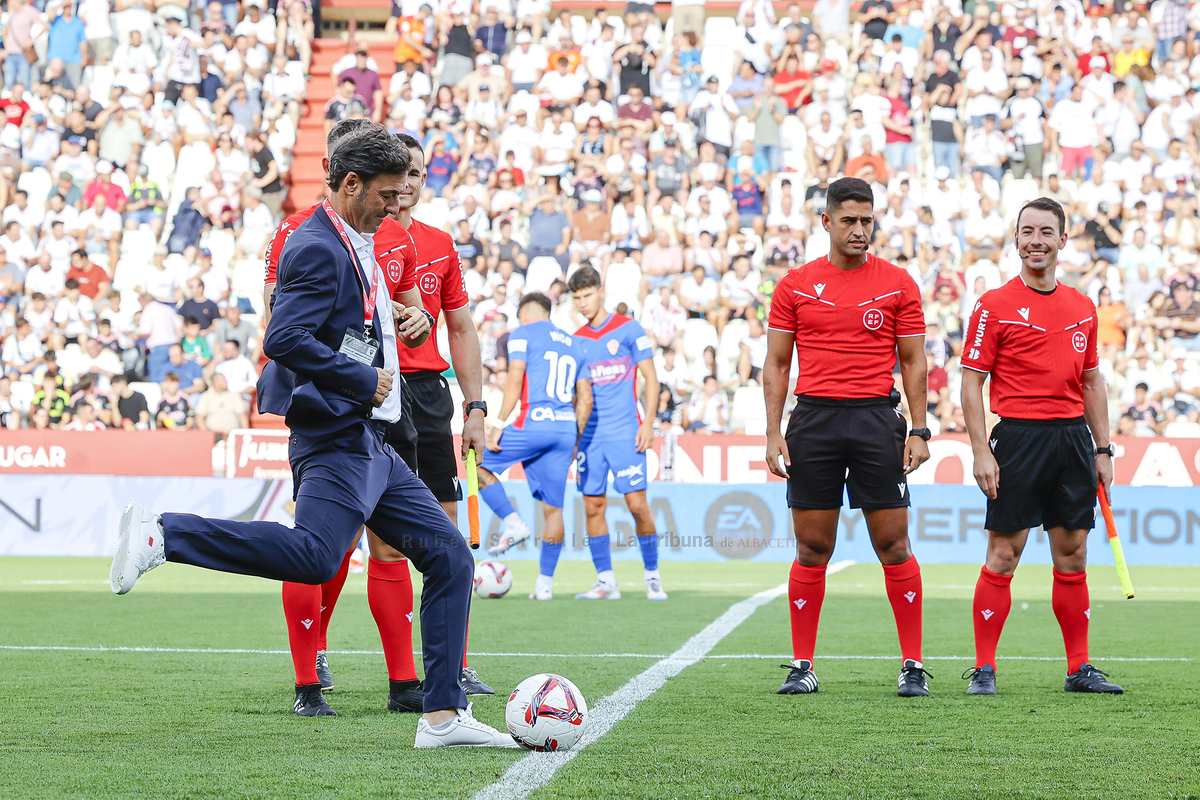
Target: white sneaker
{"type": "Point", "coordinates": [463, 731]}
{"type": "Point", "coordinates": [515, 532]}
{"type": "Point", "coordinates": [139, 547]}
{"type": "Point", "coordinates": [654, 590]}
{"type": "Point", "coordinates": [541, 594]}
{"type": "Point", "coordinates": [601, 591]}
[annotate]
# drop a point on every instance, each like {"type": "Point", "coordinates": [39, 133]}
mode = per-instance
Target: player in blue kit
{"type": "Point", "coordinates": [547, 369]}
{"type": "Point", "coordinates": [618, 434]}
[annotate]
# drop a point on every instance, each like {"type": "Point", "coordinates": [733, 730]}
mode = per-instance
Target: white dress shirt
{"type": "Point", "coordinates": [364, 248]}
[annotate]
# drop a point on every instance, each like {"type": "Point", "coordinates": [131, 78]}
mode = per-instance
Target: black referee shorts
{"type": "Point", "coordinates": [1047, 475]}
{"type": "Point", "coordinates": [857, 445]}
{"type": "Point", "coordinates": [422, 436]}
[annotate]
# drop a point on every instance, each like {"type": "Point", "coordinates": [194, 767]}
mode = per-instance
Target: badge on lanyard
{"type": "Point", "coordinates": [362, 347]}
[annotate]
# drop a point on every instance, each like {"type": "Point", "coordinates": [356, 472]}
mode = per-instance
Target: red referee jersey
{"type": "Point", "coordinates": [440, 279]}
{"type": "Point", "coordinates": [846, 323]}
{"type": "Point", "coordinates": [1036, 347]}
{"type": "Point", "coordinates": [394, 251]}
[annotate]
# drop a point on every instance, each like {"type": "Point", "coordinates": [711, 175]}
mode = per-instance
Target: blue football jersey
{"type": "Point", "coordinates": [553, 363]}
{"type": "Point", "coordinates": [613, 352]}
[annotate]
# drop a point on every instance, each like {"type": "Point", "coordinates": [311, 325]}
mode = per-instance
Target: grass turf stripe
{"type": "Point", "coordinates": [537, 769]}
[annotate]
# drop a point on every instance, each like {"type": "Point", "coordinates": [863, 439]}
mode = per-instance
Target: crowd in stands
{"type": "Point", "coordinates": [148, 155]}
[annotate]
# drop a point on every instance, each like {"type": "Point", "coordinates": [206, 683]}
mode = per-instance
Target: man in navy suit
{"type": "Point", "coordinates": [332, 344]}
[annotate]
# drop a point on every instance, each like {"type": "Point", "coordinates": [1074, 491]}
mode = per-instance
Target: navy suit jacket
{"type": "Point", "coordinates": [317, 297]}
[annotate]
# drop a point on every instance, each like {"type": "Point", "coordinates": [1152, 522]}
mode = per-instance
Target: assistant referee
{"type": "Point", "coordinates": [846, 316]}
{"type": "Point", "coordinates": [1043, 460]}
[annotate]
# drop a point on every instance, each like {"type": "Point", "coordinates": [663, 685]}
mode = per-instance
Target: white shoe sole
{"type": "Point", "coordinates": [116, 575]}
{"type": "Point", "coordinates": [534, 596]}
{"type": "Point", "coordinates": [651, 597]}
{"type": "Point", "coordinates": [502, 548]}
{"type": "Point", "coordinates": [612, 596]}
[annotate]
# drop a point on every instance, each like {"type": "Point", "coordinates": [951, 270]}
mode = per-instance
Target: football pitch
{"type": "Point", "coordinates": [197, 704]}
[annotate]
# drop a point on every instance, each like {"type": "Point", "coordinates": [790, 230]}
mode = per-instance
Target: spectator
{"type": "Point", "coordinates": [174, 410]}
{"type": "Point", "coordinates": [132, 411]}
{"type": "Point", "coordinates": [708, 411]}
{"type": "Point", "coordinates": [52, 399]}
{"type": "Point", "coordinates": [160, 326]}
{"type": "Point", "coordinates": [220, 410]}
{"type": "Point", "coordinates": [240, 374]}
{"type": "Point", "coordinates": [84, 418]}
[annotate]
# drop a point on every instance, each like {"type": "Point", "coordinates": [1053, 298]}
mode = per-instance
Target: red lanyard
{"type": "Point", "coordinates": [369, 285]}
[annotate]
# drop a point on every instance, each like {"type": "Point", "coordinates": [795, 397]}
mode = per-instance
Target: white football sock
{"type": "Point", "coordinates": [545, 583]}
{"type": "Point", "coordinates": [607, 577]}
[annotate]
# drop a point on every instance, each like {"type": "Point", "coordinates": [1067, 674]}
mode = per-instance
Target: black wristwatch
{"type": "Point", "coordinates": [1107, 450]}
{"type": "Point", "coordinates": [922, 433]}
{"type": "Point", "coordinates": [471, 406]}
{"type": "Point", "coordinates": [432, 322]}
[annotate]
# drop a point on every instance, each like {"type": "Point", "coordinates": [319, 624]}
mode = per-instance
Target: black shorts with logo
{"type": "Point", "coordinates": [422, 436]}
{"type": "Point", "coordinates": [857, 445]}
{"type": "Point", "coordinates": [1047, 475]}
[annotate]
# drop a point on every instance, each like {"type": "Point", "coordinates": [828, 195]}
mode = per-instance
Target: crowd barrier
{"type": "Point", "coordinates": [77, 516]}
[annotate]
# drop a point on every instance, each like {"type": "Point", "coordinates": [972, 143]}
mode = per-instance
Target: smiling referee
{"type": "Point", "coordinates": [846, 316]}
{"type": "Point", "coordinates": [1041, 464]}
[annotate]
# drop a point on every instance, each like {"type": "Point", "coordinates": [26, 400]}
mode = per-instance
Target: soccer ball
{"type": "Point", "coordinates": [492, 579]}
{"type": "Point", "coordinates": [546, 713]}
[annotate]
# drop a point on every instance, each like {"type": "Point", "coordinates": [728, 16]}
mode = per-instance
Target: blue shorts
{"type": "Point", "coordinates": [546, 456]}
{"type": "Point", "coordinates": [597, 458]}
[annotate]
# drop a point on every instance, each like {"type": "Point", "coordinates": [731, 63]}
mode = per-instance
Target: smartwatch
{"type": "Point", "coordinates": [471, 406]}
{"type": "Point", "coordinates": [922, 433]}
{"type": "Point", "coordinates": [1107, 450]}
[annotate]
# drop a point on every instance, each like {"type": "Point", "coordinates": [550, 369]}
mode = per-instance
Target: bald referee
{"type": "Point", "coordinates": [846, 316]}
{"type": "Point", "coordinates": [1042, 461]}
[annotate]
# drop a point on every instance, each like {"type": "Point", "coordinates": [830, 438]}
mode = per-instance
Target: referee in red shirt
{"type": "Point", "coordinates": [1043, 460]}
{"type": "Point", "coordinates": [846, 316]}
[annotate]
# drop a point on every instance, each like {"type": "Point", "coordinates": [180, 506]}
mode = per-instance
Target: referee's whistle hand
{"type": "Point", "coordinates": [383, 388]}
{"type": "Point", "coordinates": [778, 459]}
{"type": "Point", "coordinates": [987, 473]}
{"type": "Point", "coordinates": [916, 453]}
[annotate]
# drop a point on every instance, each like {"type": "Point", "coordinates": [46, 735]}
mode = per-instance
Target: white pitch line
{"type": "Point", "coordinates": [536, 769]}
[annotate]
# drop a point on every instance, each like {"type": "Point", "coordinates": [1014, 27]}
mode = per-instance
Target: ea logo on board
{"type": "Point", "coordinates": [1079, 341]}
{"type": "Point", "coordinates": [429, 283]}
{"type": "Point", "coordinates": [873, 319]}
{"type": "Point", "coordinates": [739, 524]}
{"type": "Point", "coordinates": [393, 271]}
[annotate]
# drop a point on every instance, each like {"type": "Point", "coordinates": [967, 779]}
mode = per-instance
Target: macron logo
{"type": "Point", "coordinates": [1024, 312]}
{"type": "Point", "coordinates": [910, 596]}
{"type": "Point", "coordinates": [993, 443]}
{"type": "Point", "coordinates": [408, 616]}
{"type": "Point", "coordinates": [818, 288]}
{"type": "Point", "coordinates": [902, 487]}
{"type": "Point", "coordinates": [987, 614]}
{"type": "Point", "coordinates": [307, 623]}
{"type": "Point", "coordinates": [1088, 613]}
{"type": "Point", "coordinates": [799, 604]}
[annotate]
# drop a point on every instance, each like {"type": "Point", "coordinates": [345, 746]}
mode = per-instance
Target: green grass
{"type": "Point", "coordinates": [162, 724]}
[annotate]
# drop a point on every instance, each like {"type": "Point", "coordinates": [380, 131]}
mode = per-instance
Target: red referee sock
{"type": "Point", "coordinates": [903, 582]}
{"type": "Point", "coordinates": [302, 612]}
{"type": "Point", "coordinates": [330, 592]}
{"type": "Point", "coordinates": [1072, 607]}
{"type": "Point", "coordinates": [993, 600]}
{"type": "Point", "coordinates": [390, 596]}
{"type": "Point", "coordinates": [806, 592]}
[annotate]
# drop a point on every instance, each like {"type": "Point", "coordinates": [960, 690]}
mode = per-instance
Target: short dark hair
{"type": "Point", "coordinates": [1045, 204]}
{"type": "Point", "coordinates": [190, 320]}
{"type": "Point", "coordinates": [846, 190]}
{"type": "Point", "coordinates": [344, 129]}
{"type": "Point", "coordinates": [80, 252]}
{"type": "Point", "coordinates": [411, 142]}
{"type": "Point", "coordinates": [537, 298]}
{"type": "Point", "coordinates": [71, 284]}
{"type": "Point", "coordinates": [368, 153]}
{"type": "Point", "coordinates": [584, 278]}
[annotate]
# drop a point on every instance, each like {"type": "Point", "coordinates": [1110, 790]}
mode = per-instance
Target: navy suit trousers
{"type": "Point", "coordinates": [341, 483]}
